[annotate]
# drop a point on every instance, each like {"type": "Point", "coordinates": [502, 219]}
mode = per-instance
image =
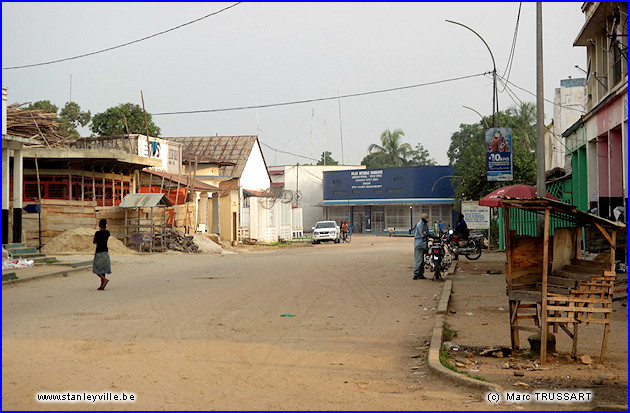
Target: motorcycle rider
{"type": "Point", "coordinates": [461, 230]}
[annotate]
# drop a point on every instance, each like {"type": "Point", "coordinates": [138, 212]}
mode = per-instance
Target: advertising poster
{"type": "Point", "coordinates": [499, 154]}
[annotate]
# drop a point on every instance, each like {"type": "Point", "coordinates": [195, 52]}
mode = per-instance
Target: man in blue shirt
{"type": "Point", "coordinates": [420, 246]}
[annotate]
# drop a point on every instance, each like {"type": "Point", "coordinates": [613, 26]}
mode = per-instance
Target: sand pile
{"type": "Point", "coordinates": [207, 245]}
{"type": "Point", "coordinates": [80, 240]}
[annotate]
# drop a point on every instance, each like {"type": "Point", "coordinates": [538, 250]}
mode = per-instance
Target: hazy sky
{"type": "Point", "coordinates": [268, 53]}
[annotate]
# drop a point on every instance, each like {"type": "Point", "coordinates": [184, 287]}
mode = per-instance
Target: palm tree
{"type": "Point", "coordinates": [393, 151]}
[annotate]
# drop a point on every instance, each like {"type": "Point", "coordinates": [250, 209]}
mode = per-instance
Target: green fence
{"type": "Point", "coordinates": [526, 222]}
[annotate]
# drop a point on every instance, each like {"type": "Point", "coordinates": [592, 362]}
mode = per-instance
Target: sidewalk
{"type": "Point", "coordinates": [66, 264]}
{"type": "Point", "coordinates": [478, 316]}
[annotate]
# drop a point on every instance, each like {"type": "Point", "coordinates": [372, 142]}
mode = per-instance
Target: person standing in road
{"type": "Point", "coordinates": [101, 264]}
{"type": "Point", "coordinates": [420, 246]}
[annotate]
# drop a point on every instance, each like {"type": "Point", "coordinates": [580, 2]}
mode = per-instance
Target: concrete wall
{"type": "Point", "coordinates": [308, 180]}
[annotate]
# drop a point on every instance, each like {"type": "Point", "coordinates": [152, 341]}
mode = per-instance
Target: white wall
{"type": "Point", "coordinates": [308, 180]}
{"type": "Point", "coordinates": [255, 176]}
{"type": "Point", "coordinates": [568, 106]}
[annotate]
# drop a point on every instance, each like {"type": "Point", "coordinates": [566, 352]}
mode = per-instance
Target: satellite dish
{"type": "Point", "coordinates": [267, 202]}
{"type": "Point", "coordinates": [286, 196]}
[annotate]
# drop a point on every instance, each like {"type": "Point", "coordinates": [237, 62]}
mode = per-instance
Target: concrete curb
{"type": "Point", "coordinates": [62, 272]}
{"type": "Point", "coordinates": [436, 346]}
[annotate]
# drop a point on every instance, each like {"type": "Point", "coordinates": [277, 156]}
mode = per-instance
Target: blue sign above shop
{"type": "Point", "coordinates": [413, 184]}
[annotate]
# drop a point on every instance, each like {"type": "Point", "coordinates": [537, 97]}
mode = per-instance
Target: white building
{"type": "Point", "coordinates": [305, 183]}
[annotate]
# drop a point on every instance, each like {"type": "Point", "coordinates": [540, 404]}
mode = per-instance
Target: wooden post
{"type": "Point", "coordinates": [575, 339]}
{"type": "Point", "coordinates": [578, 241]}
{"type": "Point", "coordinates": [146, 126]}
{"type": "Point", "coordinates": [613, 248]}
{"type": "Point", "coordinates": [545, 270]}
{"type": "Point", "coordinates": [508, 246]}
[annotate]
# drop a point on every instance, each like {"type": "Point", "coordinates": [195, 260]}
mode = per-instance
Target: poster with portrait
{"type": "Point", "coordinates": [499, 154]}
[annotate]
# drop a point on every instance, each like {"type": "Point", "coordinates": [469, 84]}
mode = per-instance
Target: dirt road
{"type": "Point", "coordinates": [328, 327]}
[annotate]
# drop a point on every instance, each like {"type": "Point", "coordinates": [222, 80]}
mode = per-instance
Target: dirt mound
{"type": "Point", "coordinates": [207, 244]}
{"type": "Point", "coordinates": [80, 240]}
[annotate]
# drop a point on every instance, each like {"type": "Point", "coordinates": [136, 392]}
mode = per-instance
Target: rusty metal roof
{"type": "Point", "coordinates": [144, 200]}
{"type": "Point", "coordinates": [234, 149]}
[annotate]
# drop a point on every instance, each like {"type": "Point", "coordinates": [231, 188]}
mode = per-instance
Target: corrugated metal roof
{"type": "Point", "coordinates": [144, 200]}
{"type": "Point", "coordinates": [234, 149]}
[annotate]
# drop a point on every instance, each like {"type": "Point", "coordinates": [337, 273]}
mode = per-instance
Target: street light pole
{"type": "Point", "coordinates": [495, 96]}
{"type": "Point", "coordinates": [482, 118]}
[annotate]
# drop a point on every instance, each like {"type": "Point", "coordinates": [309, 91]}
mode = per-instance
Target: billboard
{"type": "Point", "coordinates": [499, 154]}
{"type": "Point", "coordinates": [476, 216]}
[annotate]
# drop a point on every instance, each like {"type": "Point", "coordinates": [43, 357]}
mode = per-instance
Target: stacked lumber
{"type": "Point", "coordinates": [34, 124]}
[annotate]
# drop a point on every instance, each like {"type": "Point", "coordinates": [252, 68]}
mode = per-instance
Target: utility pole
{"type": "Point", "coordinates": [540, 108]}
{"type": "Point", "coordinates": [297, 184]}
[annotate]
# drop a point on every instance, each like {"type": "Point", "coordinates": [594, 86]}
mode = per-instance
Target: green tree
{"type": "Point", "coordinates": [45, 105]}
{"type": "Point", "coordinates": [71, 118]}
{"type": "Point", "coordinates": [374, 161]}
{"type": "Point", "coordinates": [467, 153]}
{"type": "Point", "coordinates": [421, 157]}
{"type": "Point", "coordinates": [112, 121]}
{"type": "Point", "coordinates": [393, 151]}
{"type": "Point", "coordinates": [327, 159]}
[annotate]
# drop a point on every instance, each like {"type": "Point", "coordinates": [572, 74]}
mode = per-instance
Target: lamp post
{"type": "Point", "coordinates": [495, 97]}
{"type": "Point", "coordinates": [482, 118]}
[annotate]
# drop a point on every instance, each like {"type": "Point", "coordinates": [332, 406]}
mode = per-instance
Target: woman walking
{"type": "Point", "coordinates": [101, 264]}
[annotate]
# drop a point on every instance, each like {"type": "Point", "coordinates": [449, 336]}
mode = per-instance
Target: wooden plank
{"type": "Point", "coordinates": [563, 281]}
{"type": "Point", "coordinates": [563, 247]}
{"type": "Point", "coordinates": [579, 309]}
{"type": "Point", "coordinates": [590, 264]}
{"type": "Point", "coordinates": [574, 275]}
{"type": "Point", "coordinates": [526, 296]}
{"type": "Point", "coordinates": [581, 299]}
{"type": "Point", "coordinates": [526, 328]}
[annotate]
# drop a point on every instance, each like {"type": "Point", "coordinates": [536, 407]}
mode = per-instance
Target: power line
{"type": "Point", "coordinates": [124, 44]}
{"type": "Point", "coordinates": [513, 96]}
{"type": "Point", "coordinates": [508, 67]}
{"type": "Point", "coordinates": [297, 102]}
{"type": "Point", "coordinates": [546, 100]}
{"type": "Point", "coordinates": [288, 153]}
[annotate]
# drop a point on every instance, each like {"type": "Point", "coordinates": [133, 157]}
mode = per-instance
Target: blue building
{"type": "Point", "coordinates": [377, 199]}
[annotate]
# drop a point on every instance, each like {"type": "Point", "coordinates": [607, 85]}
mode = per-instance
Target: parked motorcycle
{"type": "Point", "coordinates": [437, 260]}
{"type": "Point", "coordinates": [470, 250]}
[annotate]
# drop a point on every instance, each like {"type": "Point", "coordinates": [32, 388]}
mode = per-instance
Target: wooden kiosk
{"type": "Point", "coordinates": [143, 228]}
{"type": "Point", "coordinates": [547, 279]}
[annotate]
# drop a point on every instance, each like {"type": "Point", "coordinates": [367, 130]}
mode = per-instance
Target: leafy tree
{"type": "Point", "coordinates": [112, 121]}
{"type": "Point", "coordinates": [71, 118]}
{"type": "Point", "coordinates": [393, 152]}
{"type": "Point", "coordinates": [374, 161]}
{"type": "Point", "coordinates": [421, 157]}
{"type": "Point", "coordinates": [45, 105]}
{"type": "Point", "coordinates": [467, 153]}
{"type": "Point", "coordinates": [327, 159]}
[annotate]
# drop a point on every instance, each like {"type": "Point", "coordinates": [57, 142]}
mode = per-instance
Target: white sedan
{"type": "Point", "coordinates": [326, 231]}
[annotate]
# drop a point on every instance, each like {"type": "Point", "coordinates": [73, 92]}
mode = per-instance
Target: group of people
{"type": "Point", "coordinates": [421, 240]}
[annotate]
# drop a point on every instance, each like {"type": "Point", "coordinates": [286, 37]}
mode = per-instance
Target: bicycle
{"type": "Point", "coordinates": [346, 237]}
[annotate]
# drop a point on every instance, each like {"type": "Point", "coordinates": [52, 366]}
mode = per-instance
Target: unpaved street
{"type": "Point", "coordinates": [188, 332]}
